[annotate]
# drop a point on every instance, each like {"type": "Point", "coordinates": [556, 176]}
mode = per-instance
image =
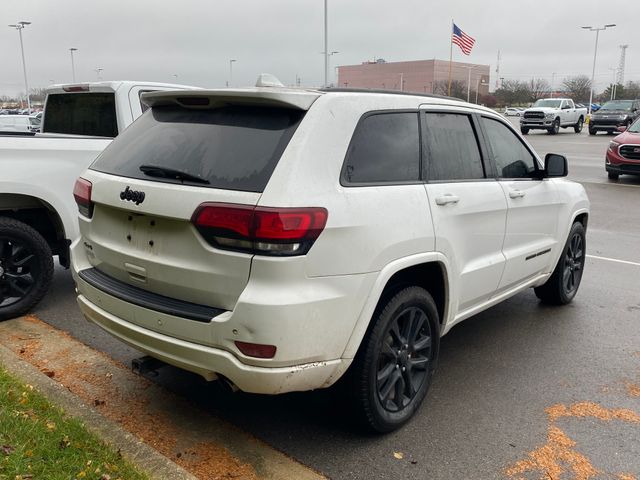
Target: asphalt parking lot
{"type": "Point", "coordinates": [520, 388]}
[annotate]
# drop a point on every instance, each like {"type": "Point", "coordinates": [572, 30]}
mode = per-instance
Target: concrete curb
{"type": "Point", "coordinates": [156, 465]}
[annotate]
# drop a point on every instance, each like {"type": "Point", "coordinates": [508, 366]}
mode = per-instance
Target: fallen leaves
{"type": "Point", "coordinates": [559, 456]}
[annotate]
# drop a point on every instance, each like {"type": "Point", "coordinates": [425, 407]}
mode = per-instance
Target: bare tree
{"type": "Point", "coordinates": [538, 88]}
{"type": "Point", "coordinates": [632, 90]}
{"type": "Point", "coordinates": [458, 89]}
{"type": "Point", "coordinates": [513, 92]}
{"type": "Point", "coordinates": [578, 87]}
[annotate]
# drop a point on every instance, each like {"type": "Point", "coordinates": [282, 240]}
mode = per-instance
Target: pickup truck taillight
{"type": "Point", "coordinates": [82, 194]}
{"type": "Point", "coordinates": [260, 230]}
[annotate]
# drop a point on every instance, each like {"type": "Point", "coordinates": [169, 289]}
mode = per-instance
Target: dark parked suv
{"type": "Point", "coordinates": [614, 114]}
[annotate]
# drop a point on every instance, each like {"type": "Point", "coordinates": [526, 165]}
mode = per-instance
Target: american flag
{"type": "Point", "coordinates": [464, 41]}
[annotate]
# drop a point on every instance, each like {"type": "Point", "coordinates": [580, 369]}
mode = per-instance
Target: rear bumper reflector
{"type": "Point", "coordinates": [143, 298]}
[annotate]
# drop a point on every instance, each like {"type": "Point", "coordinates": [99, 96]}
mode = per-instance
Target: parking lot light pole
{"type": "Point", "coordinates": [73, 67]}
{"type": "Point", "coordinates": [19, 26]}
{"type": "Point", "coordinates": [595, 54]}
{"type": "Point", "coordinates": [231, 72]}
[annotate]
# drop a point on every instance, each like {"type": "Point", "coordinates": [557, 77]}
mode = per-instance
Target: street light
{"type": "Point", "coordinates": [19, 26]}
{"type": "Point", "coordinates": [328, 64]}
{"type": "Point", "coordinates": [326, 44]}
{"type": "Point", "coordinates": [595, 54]}
{"type": "Point", "coordinates": [231, 72]}
{"type": "Point", "coordinates": [73, 67]}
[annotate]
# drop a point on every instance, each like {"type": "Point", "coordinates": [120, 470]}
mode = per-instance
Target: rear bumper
{"type": "Point", "coordinates": [309, 320]}
{"type": "Point", "coordinates": [211, 362]}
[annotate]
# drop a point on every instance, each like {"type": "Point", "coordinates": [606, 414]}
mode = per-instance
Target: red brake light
{"type": "Point", "coordinates": [82, 194]}
{"type": "Point", "coordinates": [256, 349]}
{"type": "Point", "coordinates": [260, 230]}
{"type": "Point", "coordinates": [76, 88]}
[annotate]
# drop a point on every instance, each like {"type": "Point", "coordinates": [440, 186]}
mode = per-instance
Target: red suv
{"type": "Point", "coordinates": [623, 154]}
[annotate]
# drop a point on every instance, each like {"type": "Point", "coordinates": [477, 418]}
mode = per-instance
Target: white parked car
{"type": "Point", "coordinates": [15, 124]}
{"type": "Point", "coordinates": [281, 238]}
{"type": "Point", "coordinates": [513, 112]}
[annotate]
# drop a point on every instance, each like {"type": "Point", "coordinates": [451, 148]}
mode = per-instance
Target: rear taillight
{"type": "Point", "coordinates": [82, 194]}
{"type": "Point", "coordinates": [260, 230]}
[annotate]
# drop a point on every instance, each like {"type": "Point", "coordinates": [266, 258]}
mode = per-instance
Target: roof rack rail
{"type": "Point", "coordinates": [392, 92]}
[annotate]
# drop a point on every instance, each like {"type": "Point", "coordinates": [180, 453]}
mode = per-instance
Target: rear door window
{"type": "Point", "coordinates": [233, 148]}
{"type": "Point", "coordinates": [451, 147]}
{"type": "Point", "coordinates": [385, 148]}
{"type": "Point", "coordinates": [91, 114]}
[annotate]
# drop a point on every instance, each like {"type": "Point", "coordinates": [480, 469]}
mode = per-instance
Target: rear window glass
{"type": "Point", "coordinates": [92, 114]}
{"type": "Point", "coordinates": [233, 148]}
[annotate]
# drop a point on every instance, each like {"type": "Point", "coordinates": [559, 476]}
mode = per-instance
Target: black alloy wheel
{"type": "Point", "coordinates": [404, 359]}
{"type": "Point", "coordinates": [392, 371]}
{"type": "Point", "coordinates": [563, 284]}
{"type": "Point", "coordinates": [26, 268]}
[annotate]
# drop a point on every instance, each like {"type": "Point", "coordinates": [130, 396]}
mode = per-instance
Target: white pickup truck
{"type": "Point", "coordinates": [38, 214]}
{"type": "Point", "coordinates": [551, 114]}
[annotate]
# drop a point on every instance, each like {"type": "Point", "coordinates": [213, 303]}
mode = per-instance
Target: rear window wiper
{"type": "Point", "coordinates": [165, 172]}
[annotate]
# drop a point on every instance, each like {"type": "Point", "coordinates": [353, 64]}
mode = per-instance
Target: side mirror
{"type": "Point", "coordinates": [622, 129]}
{"type": "Point", "coordinates": [555, 165]}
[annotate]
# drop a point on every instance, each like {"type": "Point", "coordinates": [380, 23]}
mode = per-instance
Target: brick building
{"type": "Point", "coordinates": [414, 76]}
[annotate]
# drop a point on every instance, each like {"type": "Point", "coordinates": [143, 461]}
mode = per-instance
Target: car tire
{"type": "Point", "coordinates": [555, 128]}
{"type": "Point", "coordinates": [524, 131]}
{"type": "Point", "coordinates": [517, 114]}
{"type": "Point", "coordinates": [578, 126]}
{"type": "Point", "coordinates": [26, 266]}
{"type": "Point", "coordinates": [613, 176]}
{"type": "Point", "coordinates": [386, 385]}
{"type": "Point", "coordinates": [564, 282]}
{"type": "Point", "coordinates": [592, 131]}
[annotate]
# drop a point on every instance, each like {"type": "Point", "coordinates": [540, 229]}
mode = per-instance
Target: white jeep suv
{"type": "Point", "coordinates": [284, 238]}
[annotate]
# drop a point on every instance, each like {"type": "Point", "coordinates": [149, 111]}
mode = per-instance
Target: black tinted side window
{"type": "Point", "coordinates": [385, 148]}
{"type": "Point", "coordinates": [452, 147]}
{"type": "Point", "coordinates": [511, 157]}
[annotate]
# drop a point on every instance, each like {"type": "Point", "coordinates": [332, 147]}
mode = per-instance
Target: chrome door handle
{"type": "Point", "coordinates": [516, 194]}
{"type": "Point", "coordinates": [447, 198]}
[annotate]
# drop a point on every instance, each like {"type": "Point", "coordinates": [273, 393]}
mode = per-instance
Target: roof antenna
{"type": "Point", "coordinates": [268, 80]}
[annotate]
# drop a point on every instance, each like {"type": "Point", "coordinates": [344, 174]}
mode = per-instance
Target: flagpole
{"type": "Point", "coordinates": [450, 55]}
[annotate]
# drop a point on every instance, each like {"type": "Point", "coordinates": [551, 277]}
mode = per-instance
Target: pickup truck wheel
{"type": "Point", "coordinates": [524, 130]}
{"type": "Point", "coordinates": [592, 131]}
{"type": "Point", "coordinates": [564, 282]}
{"type": "Point", "coordinates": [578, 126]}
{"type": "Point", "coordinates": [555, 128]}
{"type": "Point", "coordinates": [26, 268]}
{"type": "Point", "coordinates": [392, 372]}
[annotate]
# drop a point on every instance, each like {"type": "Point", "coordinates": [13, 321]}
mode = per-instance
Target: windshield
{"type": "Point", "coordinates": [618, 105]}
{"type": "Point", "coordinates": [549, 103]}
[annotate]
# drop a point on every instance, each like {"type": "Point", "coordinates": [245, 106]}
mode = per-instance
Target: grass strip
{"type": "Point", "coordinates": [39, 442]}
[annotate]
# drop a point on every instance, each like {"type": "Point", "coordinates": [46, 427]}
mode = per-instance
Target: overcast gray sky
{"type": "Point", "coordinates": [194, 39]}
